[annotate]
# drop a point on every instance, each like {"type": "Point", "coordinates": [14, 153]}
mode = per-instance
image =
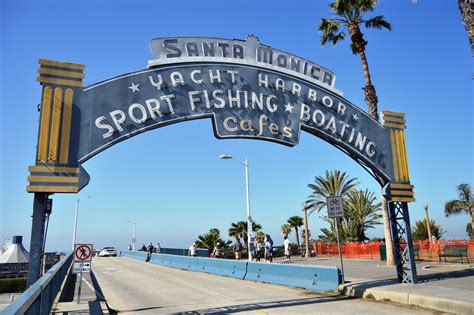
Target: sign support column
{"type": "Point", "coordinates": [335, 206]}
{"type": "Point", "coordinates": [398, 193]}
{"type": "Point", "coordinates": [37, 236]}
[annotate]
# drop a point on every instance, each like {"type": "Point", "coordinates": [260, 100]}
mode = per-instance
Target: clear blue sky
{"type": "Point", "coordinates": [170, 181]}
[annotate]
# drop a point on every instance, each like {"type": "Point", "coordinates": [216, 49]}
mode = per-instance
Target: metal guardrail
{"type": "Point", "coordinates": [39, 297]}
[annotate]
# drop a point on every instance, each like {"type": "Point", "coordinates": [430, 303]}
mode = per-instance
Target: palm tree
{"type": "Point", "coordinates": [362, 210]}
{"type": "Point", "coordinates": [467, 9]}
{"type": "Point", "coordinates": [286, 229]}
{"type": "Point", "coordinates": [334, 183]}
{"type": "Point", "coordinates": [303, 232]}
{"type": "Point", "coordinates": [239, 229]}
{"type": "Point", "coordinates": [349, 14]}
{"type": "Point", "coordinates": [420, 230]}
{"type": "Point", "coordinates": [210, 239]}
{"type": "Point", "coordinates": [465, 204]}
{"type": "Point", "coordinates": [295, 222]}
{"type": "Point", "coordinates": [259, 235]}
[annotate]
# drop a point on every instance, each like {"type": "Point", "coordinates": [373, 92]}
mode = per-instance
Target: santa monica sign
{"type": "Point", "coordinates": [247, 89]}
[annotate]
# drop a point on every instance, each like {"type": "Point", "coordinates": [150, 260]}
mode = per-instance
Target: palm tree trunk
{"type": "Point", "coordinates": [306, 238]}
{"type": "Point", "coordinates": [297, 237]}
{"type": "Point", "coordinates": [371, 98]}
{"type": "Point", "coordinates": [359, 43]}
{"type": "Point", "coordinates": [388, 235]}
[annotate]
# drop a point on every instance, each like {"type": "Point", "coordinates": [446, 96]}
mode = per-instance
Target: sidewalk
{"type": "Point", "coordinates": [91, 300]}
{"type": "Point", "coordinates": [445, 287]}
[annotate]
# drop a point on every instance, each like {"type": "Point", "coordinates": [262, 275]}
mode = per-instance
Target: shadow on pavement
{"type": "Point", "coordinates": [446, 275]}
{"type": "Point", "coordinates": [266, 305]}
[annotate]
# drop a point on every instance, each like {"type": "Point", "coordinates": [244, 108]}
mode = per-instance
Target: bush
{"type": "Point", "coordinates": [12, 285]}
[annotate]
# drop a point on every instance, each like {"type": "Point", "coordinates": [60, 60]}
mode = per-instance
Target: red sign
{"type": "Point", "coordinates": [83, 252]}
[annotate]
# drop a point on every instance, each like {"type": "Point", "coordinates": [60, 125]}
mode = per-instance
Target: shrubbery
{"type": "Point", "coordinates": [12, 285]}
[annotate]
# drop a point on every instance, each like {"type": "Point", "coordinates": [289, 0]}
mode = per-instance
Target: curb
{"type": "Point", "coordinates": [384, 294]}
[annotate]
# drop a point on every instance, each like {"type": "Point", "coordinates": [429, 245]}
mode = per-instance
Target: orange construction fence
{"type": "Point", "coordinates": [371, 250]}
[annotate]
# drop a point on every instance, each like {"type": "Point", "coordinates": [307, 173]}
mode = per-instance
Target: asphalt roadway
{"type": "Point", "coordinates": [136, 287]}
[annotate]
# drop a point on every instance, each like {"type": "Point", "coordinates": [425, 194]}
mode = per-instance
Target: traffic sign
{"type": "Point", "coordinates": [335, 207]}
{"type": "Point", "coordinates": [82, 252]}
{"type": "Point", "coordinates": [79, 267]}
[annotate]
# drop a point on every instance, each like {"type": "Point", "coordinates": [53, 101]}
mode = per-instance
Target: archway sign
{"type": "Point", "coordinates": [247, 89]}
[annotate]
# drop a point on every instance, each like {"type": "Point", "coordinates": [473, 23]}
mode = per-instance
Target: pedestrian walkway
{"type": "Point", "coordinates": [91, 299]}
{"type": "Point", "coordinates": [444, 287]}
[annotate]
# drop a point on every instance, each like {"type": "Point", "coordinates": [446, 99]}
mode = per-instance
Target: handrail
{"type": "Point", "coordinates": [39, 297]}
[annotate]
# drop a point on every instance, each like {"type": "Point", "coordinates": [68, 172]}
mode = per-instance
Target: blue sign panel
{"type": "Point", "coordinates": [247, 89]}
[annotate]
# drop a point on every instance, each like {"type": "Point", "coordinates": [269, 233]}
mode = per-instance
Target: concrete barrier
{"type": "Point", "coordinates": [182, 262]}
{"type": "Point", "coordinates": [223, 267]}
{"type": "Point", "coordinates": [317, 278]}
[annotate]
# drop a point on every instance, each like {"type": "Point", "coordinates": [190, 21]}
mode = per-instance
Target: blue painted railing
{"type": "Point", "coordinates": [316, 278]}
{"type": "Point", "coordinates": [39, 297]}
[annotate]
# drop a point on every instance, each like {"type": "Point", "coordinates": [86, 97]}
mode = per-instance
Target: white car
{"type": "Point", "coordinates": [108, 251]}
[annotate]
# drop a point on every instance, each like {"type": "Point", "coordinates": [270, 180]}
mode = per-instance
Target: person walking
{"type": "Point", "coordinates": [192, 250]}
{"type": "Point", "coordinates": [150, 250]}
{"type": "Point", "coordinates": [238, 249]}
{"type": "Point", "coordinates": [258, 249]}
{"type": "Point", "coordinates": [268, 248]}
{"type": "Point", "coordinates": [286, 244]}
{"type": "Point", "coordinates": [217, 252]}
{"type": "Point", "coordinates": [158, 247]}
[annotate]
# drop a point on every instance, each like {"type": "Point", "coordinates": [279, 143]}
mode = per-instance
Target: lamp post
{"type": "Point", "coordinates": [306, 237]}
{"type": "Point", "coordinates": [75, 222]}
{"type": "Point", "coordinates": [428, 226]}
{"type": "Point", "coordinates": [134, 235]}
{"type": "Point", "coordinates": [249, 218]}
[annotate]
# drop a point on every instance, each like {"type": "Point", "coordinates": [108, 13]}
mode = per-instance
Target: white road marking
{"type": "Point", "coordinates": [92, 288]}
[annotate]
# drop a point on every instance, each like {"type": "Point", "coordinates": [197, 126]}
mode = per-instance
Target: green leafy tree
{"type": "Point", "coordinates": [419, 232]}
{"type": "Point", "coordinates": [286, 229]}
{"type": "Point", "coordinates": [464, 204]}
{"type": "Point", "coordinates": [362, 211]}
{"type": "Point", "coordinates": [296, 222]}
{"type": "Point", "coordinates": [239, 230]}
{"type": "Point", "coordinates": [349, 15]}
{"type": "Point", "coordinates": [210, 239]}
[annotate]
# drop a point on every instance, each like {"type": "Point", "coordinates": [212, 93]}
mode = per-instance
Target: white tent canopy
{"type": "Point", "coordinates": [15, 253]}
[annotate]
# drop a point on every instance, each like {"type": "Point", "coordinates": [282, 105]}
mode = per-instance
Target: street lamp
{"type": "Point", "coordinates": [75, 222]}
{"type": "Point", "coordinates": [428, 226]}
{"type": "Point", "coordinates": [134, 233]}
{"type": "Point", "coordinates": [249, 218]}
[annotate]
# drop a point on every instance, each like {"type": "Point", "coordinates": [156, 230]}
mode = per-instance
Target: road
{"type": "Point", "coordinates": [136, 287]}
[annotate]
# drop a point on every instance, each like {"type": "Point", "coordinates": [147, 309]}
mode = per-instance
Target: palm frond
{"type": "Point", "coordinates": [454, 207]}
{"type": "Point", "coordinates": [378, 22]}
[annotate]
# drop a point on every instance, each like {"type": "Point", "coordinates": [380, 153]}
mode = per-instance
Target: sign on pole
{"type": "Point", "coordinates": [83, 252]}
{"type": "Point", "coordinates": [82, 258]}
{"type": "Point", "coordinates": [336, 210]}
{"type": "Point", "coordinates": [79, 267]}
{"type": "Point", "coordinates": [335, 207]}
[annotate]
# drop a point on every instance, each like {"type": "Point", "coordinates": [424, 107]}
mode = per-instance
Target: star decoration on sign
{"type": "Point", "coordinates": [289, 108]}
{"type": "Point", "coordinates": [355, 117]}
{"type": "Point", "coordinates": [134, 87]}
